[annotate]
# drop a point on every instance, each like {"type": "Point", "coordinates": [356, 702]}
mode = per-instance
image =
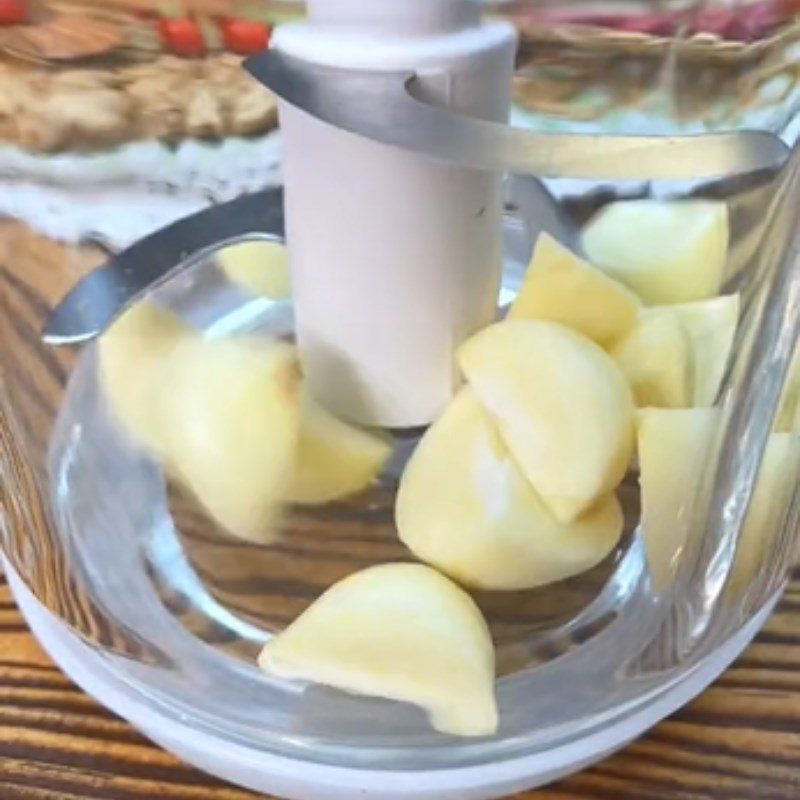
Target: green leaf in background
{"type": "Point", "coordinates": [171, 9]}
{"type": "Point", "coordinates": [273, 13]}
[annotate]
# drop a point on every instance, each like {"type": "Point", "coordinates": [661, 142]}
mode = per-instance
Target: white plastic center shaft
{"type": "Point", "coordinates": [395, 259]}
{"type": "Point", "coordinates": [396, 17]}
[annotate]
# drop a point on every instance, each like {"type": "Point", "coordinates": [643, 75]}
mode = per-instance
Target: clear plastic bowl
{"type": "Point", "coordinates": [160, 614]}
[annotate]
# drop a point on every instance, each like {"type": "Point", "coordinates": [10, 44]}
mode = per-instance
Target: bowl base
{"type": "Point", "coordinates": [295, 779]}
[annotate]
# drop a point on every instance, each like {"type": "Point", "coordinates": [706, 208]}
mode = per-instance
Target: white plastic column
{"type": "Point", "coordinates": [395, 260]}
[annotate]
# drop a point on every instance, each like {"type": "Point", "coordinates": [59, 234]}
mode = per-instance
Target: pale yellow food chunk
{"type": "Point", "coordinates": [334, 459]}
{"type": "Point", "coordinates": [260, 266]}
{"type": "Point", "coordinates": [561, 287]}
{"type": "Point", "coordinates": [777, 480]}
{"type": "Point", "coordinates": [796, 420]}
{"type": "Point", "coordinates": [131, 351]}
{"type": "Point", "coordinates": [228, 413]}
{"type": "Point", "coordinates": [656, 358]}
{"type": "Point", "coordinates": [711, 328]}
{"type": "Point", "coordinates": [674, 446]}
{"type": "Point", "coordinates": [787, 417]}
{"type": "Point", "coordinates": [667, 251]}
{"type": "Point", "coordinates": [464, 507]}
{"type": "Point", "coordinates": [676, 357]}
{"type": "Point", "coordinates": [562, 406]}
{"type": "Point", "coordinates": [398, 631]}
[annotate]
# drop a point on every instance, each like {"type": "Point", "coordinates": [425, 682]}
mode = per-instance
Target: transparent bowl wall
{"type": "Point", "coordinates": [177, 611]}
{"type": "Point", "coordinates": [647, 67]}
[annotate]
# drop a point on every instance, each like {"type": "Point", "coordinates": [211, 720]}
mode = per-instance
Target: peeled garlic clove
{"type": "Point", "coordinates": [260, 266]}
{"type": "Point", "coordinates": [711, 328]}
{"type": "Point", "coordinates": [560, 287]}
{"type": "Point", "coordinates": [398, 631]}
{"type": "Point", "coordinates": [667, 251]}
{"type": "Point", "coordinates": [228, 412]}
{"type": "Point", "coordinates": [130, 353]}
{"type": "Point", "coordinates": [334, 459]}
{"type": "Point", "coordinates": [464, 506]}
{"type": "Point", "coordinates": [787, 417]}
{"type": "Point", "coordinates": [562, 406]}
{"type": "Point", "coordinates": [775, 484]}
{"type": "Point", "coordinates": [656, 358]}
{"type": "Point", "coordinates": [674, 445]}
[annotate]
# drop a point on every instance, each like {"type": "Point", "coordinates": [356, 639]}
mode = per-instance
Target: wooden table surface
{"type": "Point", "coordinates": [739, 741]}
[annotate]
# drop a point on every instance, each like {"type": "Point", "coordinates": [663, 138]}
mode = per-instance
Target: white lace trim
{"type": "Point", "coordinates": [119, 196]}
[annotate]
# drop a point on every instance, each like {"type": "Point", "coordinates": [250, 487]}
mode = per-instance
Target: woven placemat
{"type": "Point", "coordinates": [586, 72]}
{"type": "Point", "coordinates": [168, 99]}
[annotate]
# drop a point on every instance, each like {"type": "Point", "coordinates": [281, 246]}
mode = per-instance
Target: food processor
{"type": "Point", "coordinates": [455, 462]}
